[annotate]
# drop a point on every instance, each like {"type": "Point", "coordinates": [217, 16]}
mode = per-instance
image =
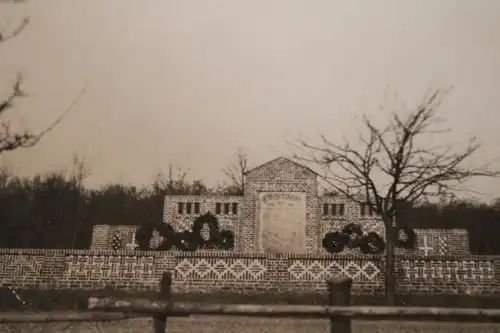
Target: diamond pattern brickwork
{"type": "Point", "coordinates": [239, 269]}
{"type": "Point", "coordinates": [321, 270]}
{"type": "Point", "coordinates": [234, 272]}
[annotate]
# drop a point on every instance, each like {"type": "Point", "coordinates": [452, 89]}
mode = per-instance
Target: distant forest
{"type": "Point", "coordinates": [56, 211]}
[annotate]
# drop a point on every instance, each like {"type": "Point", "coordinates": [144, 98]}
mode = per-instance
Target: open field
{"type": "Point", "coordinates": [197, 324]}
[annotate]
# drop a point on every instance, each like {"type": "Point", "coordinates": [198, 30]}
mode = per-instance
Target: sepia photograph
{"type": "Point", "coordinates": [263, 166]}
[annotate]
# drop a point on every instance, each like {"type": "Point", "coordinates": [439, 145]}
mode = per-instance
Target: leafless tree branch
{"type": "Point", "coordinates": [236, 174]}
{"type": "Point", "coordinates": [11, 140]}
{"type": "Point", "coordinates": [411, 174]}
{"type": "Point", "coordinates": [390, 169]}
{"type": "Point", "coordinates": [16, 92]}
{"type": "Point", "coordinates": [4, 36]}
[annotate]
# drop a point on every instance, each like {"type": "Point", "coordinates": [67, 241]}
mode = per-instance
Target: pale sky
{"type": "Point", "coordinates": [188, 82]}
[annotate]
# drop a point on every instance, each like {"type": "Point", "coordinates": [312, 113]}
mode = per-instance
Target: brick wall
{"type": "Point", "coordinates": [429, 241]}
{"type": "Point", "coordinates": [279, 175]}
{"type": "Point", "coordinates": [245, 273]}
{"type": "Point", "coordinates": [323, 214]}
{"type": "Point", "coordinates": [102, 235]}
{"type": "Point", "coordinates": [82, 269]}
{"type": "Point", "coordinates": [179, 210]}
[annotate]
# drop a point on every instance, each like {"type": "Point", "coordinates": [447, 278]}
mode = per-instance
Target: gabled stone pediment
{"type": "Point", "coordinates": [283, 168]}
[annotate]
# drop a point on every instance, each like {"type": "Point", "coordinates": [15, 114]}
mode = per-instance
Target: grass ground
{"type": "Point", "coordinates": [253, 325]}
{"type": "Point", "coordinates": [77, 299]}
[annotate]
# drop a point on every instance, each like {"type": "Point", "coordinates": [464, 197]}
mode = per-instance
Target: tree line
{"type": "Point", "coordinates": [56, 211]}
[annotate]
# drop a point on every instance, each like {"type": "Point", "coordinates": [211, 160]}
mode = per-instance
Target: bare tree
{"type": "Point", "coordinates": [11, 139]}
{"type": "Point", "coordinates": [5, 35]}
{"type": "Point", "coordinates": [171, 184]}
{"type": "Point", "coordinates": [236, 175]}
{"type": "Point", "coordinates": [391, 168]}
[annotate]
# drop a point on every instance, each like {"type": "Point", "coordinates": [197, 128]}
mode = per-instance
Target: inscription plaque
{"type": "Point", "coordinates": [281, 222]}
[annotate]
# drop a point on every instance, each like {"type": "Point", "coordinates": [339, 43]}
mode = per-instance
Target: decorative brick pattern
{"type": "Point", "coordinates": [102, 237]}
{"type": "Point", "coordinates": [83, 269]}
{"type": "Point", "coordinates": [423, 270]}
{"type": "Point", "coordinates": [110, 267]}
{"type": "Point", "coordinates": [465, 271]}
{"type": "Point", "coordinates": [207, 203]}
{"type": "Point", "coordinates": [20, 267]}
{"type": "Point", "coordinates": [459, 276]}
{"type": "Point", "coordinates": [435, 242]}
{"type": "Point", "coordinates": [321, 270]}
{"type": "Point", "coordinates": [443, 245]}
{"type": "Point", "coordinates": [237, 272]}
{"type": "Point", "coordinates": [243, 269]}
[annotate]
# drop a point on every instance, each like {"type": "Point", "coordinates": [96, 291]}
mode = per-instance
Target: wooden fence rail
{"type": "Point", "coordinates": [339, 311]}
{"type": "Point", "coordinates": [148, 307]}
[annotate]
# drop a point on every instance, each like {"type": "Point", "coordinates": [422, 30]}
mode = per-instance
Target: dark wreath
{"type": "Point", "coordinates": [408, 240]}
{"type": "Point", "coordinates": [184, 241]}
{"type": "Point", "coordinates": [143, 236]}
{"type": "Point", "coordinates": [226, 240]}
{"type": "Point", "coordinates": [372, 243]}
{"type": "Point", "coordinates": [334, 242]}
{"type": "Point", "coordinates": [214, 235]}
{"type": "Point", "coordinates": [167, 232]}
{"type": "Point", "coordinates": [354, 233]}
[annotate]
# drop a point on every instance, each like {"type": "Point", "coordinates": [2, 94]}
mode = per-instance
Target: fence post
{"type": "Point", "coordinates": [340, 295]}
{"type": "Point", "coordinates": [160, 319]}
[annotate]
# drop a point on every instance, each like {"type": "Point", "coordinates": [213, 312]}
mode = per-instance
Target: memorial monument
{"type": "Point", "coordinates": [281, 211]}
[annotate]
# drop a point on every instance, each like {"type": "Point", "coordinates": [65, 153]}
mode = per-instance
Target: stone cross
{"type": "Point", "coordinates": [426, 248]}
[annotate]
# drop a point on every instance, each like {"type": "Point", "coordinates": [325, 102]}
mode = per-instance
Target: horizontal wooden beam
{"type": "Point", "coordinates": [48, 317]}
{"type": "Point", "coordinates": [127, 309]}
{"type": "Point", "coordinates": [363, 312]}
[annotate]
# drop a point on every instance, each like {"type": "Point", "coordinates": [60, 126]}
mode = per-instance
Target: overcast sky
{"type": "Point", "coordinates": [187, 82]}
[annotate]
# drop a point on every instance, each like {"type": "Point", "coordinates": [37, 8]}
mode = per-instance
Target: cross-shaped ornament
{"type": "Point", "coordinates": [426, 248]}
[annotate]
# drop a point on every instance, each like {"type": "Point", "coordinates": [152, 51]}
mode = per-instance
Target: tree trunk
{"type": "Point", "coordinates": [390, 278]}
